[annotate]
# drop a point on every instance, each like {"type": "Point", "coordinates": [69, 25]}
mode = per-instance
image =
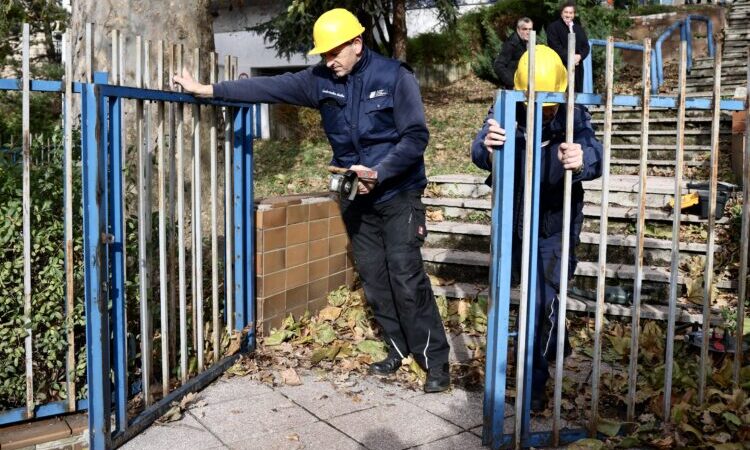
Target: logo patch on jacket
{"type": "Point", "coordinates": [378, 93]}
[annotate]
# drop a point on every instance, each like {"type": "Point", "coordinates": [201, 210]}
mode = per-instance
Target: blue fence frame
{"type": "Point", "coordinates": [498, 333]}
{"type": "Point", "coordinates": [657, 59]}
{"type": "Point", "coordinates": [103, 184]}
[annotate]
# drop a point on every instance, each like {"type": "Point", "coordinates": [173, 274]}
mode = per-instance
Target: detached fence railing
{"type": "Point", "coordinates": [121, 339]}
{"type": "Point", "coordinates": [657, 58]}
{"type": "Point", "coordinates": [504, 229]}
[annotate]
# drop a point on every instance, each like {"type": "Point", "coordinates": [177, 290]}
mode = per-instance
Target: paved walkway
{"type": "Point", "coordinates": [361, 412]}
{"type": "Point", "coordinates": [318, 414]}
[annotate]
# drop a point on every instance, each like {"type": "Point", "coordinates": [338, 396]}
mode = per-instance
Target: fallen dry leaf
{"type": "Point", "coordinates": [290, 377]}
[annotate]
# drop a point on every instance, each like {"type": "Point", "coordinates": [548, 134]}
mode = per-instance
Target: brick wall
{"type": "Point", "coordinates": [302, 254]}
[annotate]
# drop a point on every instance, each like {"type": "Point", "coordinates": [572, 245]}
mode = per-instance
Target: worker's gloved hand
{"type": "Point", "coordinates": [571, 156]}
{"type": "Point", "coordinates": [368, 178]}
{"type": "Point", "coordinates": [191, 86]}
{"type": "Point", "coordinates": [495, 136]}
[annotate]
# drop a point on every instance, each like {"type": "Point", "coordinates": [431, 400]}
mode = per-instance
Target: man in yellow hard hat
{"type": "Point", "coordinates": [583, 157]}
{"type": "Point", "coordinates": [372, 113]}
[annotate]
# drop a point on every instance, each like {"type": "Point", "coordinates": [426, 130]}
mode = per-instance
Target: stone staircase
{"type": "Point", "coordinates": [457, 248]}
{"type": "Point", "coordinates": [734, 57]}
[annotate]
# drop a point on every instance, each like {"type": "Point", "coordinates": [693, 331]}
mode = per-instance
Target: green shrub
{"type": "Point", "coordinates": [48, 324]}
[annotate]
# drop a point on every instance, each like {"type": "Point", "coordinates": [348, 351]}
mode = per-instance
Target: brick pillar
{"type": "Point", "coordinates": [303, 253]}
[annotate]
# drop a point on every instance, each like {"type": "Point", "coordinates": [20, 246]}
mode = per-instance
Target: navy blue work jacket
{"type": "Point", "coordinates": [552, 172]}
{"type": "Point", "coordinates": [374, 116]}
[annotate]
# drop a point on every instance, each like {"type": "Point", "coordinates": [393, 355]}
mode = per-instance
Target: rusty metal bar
{"type": "Point", "coordinates": [228, 231]}
{"type": "Point", "coordinates": [70, 361]}
{"type": "Point", "coordinates": [603, 227]}
{"type": "Point", "coordinates": [181, 263]}
{"type": "Point", "coordinates": [675, 269]}
{"type": "Point", "coordinates": [565, 250]}
{"type": "Point", "coordinates": [744, 232]}
{"type": "Point", "coordinates": [214, 219]}
{"type": "Point", "coordinates": [26, 201]}
{"type": "Point", "coordinates": [640, 231]}
{"type": "Point", "coordinates": [708, 277]}
{"type": "Point", "coordinates": [197, 220]}
{"type": "Point", "coordinates": [143, 275]}
{"type": "Point", "coordinates": [172, 245]}
{"type": "Point", "coordinates": [162, 193]}
{"type": "Point", "coordinates": [526, 245]}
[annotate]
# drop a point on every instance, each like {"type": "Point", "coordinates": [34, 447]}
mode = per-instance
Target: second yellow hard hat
{"type": "Point", "coordinates": [550, 74]}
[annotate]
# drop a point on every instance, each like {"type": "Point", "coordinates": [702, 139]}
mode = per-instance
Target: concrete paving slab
{"type": "Point", "coordinates": [395, 426]}
{"type": "Point", "coordinates": [313, 436]}
{"type": "Point", "coordinates": [224, 390]}
{"type": "Point", "coordinates": [460, 350]}
{"type": "Point", "coordinates": [186, 433]}
{"type": "Point", "coordinates": [464, 441]}
{"type": "Point", "coordinates": [246, 418]}
{"type": "Point", "coordinates": [325, 399]}
{"type": "Point", "coordinates": [459, 407]}
{"type": "Point", "coordinates": [387, 388]}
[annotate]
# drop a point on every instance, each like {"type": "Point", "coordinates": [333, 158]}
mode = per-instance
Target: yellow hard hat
{"type": "Point", "coordinates": [333, 28]}
{"type": "Point", "coordinates": [550, 73]}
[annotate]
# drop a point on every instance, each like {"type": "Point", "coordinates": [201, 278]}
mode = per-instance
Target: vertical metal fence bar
{"type": "Point", "coordinates": [171, 217]}
{"type": "Point", "coordinates": [197, 219]}
{"type": "Point", "coordinates": [744, 232]}
{"type": "Point", "coordinates": [249, 219]}
{"type": "Point", "coordinates": [640, 232]}
{"type": "Point", "coordinates": [26, 201]}
{"type": "Point", "coordinates": [143, 274]}
{"type": "Point", "coordinates": [116, 249]}
{"type": "Point", "coordinates": [214, 219]}
{"type": "Point", "coordinates": [239, 231]}
{"type": "Point", "coordinates": [526, 267]}
{"type": "Point", "coordinates": [677, 211]}
{"type": "Point", "coordinates": [708, 277]}
{"type": "Point", "coordinates": [499, 307]}
{"type": "Point", "coordinates": [162, 187]}
{"type": "Point", "coordinates": [181, 227]}
{"type": "Point", "coordinates": [228, 232]}
{"type": "Point", "coordinates": [603, 226]}
{"type": "Point", "coordinates": [70, 362]}
{"type": "Point", "coordinates": [93, 135]}
{"type": "Point", "coordinates": [117, 266]}
{"type": "Point", "coordinates": [565, 250]}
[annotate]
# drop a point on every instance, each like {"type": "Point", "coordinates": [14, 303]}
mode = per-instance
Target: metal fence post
{"type": "Point", "coordinates": [500, 274]}
{"type": "Point", "coordinates": [97, 323]}
{"type": "Point", "coordinates": [249, 219]}
{"type": "Point", "coordinates": [239, 220]}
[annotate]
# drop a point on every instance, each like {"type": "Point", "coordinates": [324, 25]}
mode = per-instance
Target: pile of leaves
{"type": "Point", "coordinates": [342, 340]}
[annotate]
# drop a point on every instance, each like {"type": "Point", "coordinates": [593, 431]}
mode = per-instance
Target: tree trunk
{"type": "Point", "coordinates": [184, 22]}
{"type": "Point", "coordinates": [398, 38]}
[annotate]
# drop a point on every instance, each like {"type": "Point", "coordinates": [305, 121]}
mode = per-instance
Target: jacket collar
{"type": "Point", "coordinates": [361, 65]}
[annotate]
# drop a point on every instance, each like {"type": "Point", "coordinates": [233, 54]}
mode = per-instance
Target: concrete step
{"type": "Point", "coordinates": [621, 248]}
{"type": "Point", "coordinates": [480, 261]}
{"type": "Point", "coordinates": [479, 209]}
{"type": "Point", "coordinates": [686, 311]}
{"type": "Point", "coordinates": [623, 191]}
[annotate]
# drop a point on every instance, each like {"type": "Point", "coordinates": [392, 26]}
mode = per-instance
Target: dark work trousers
{"type": "Point", "coordinates": [386, 239]}
{"type": "Point", "coordinates": [547, 302]}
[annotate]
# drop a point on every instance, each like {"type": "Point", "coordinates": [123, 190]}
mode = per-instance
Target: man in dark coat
{"type": "Point", "coordinates": [372, 113]}
{"type": "Point", "coordinates": [507, 60]}
{"type": "Point", "coordinates": [557, 39]}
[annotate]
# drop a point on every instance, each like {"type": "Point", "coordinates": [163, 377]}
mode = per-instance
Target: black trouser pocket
{"type": "Point", "coordinates": [417, 220]}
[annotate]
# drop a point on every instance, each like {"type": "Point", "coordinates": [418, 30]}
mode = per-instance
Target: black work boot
{"type": "Point", "coordinates": [438, 379]}
{"type": "Point", "coordinates": [389, 365]}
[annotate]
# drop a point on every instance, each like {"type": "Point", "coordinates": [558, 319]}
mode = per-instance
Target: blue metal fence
{"type": "Point", "coordinates": [657, 57]}
{"type": "Point", "coordinates": [104, 237]}
{"type": "Point", "coordinates": [499, 333]}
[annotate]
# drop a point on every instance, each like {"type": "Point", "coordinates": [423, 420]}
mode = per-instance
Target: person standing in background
{"type": "Point", "coordinates": [557, 39]}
